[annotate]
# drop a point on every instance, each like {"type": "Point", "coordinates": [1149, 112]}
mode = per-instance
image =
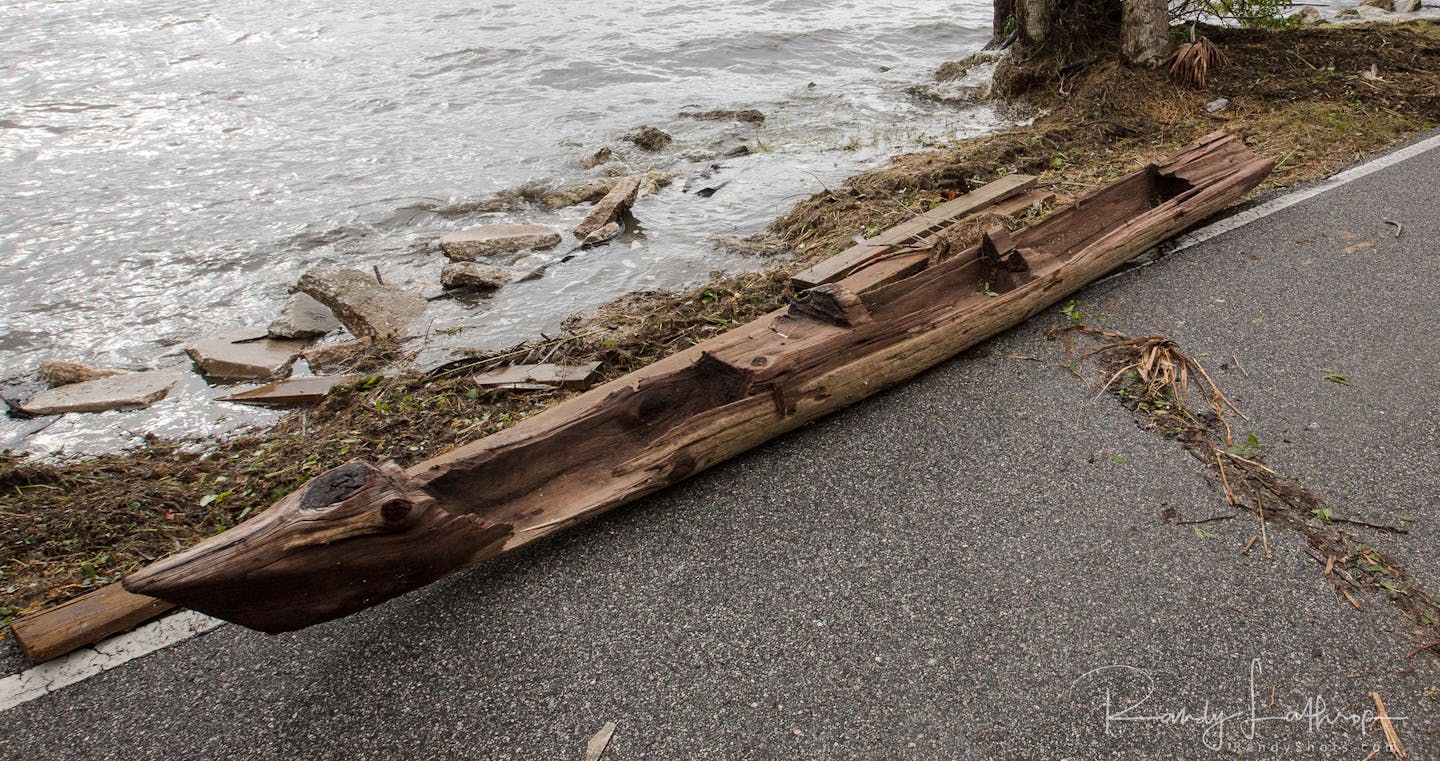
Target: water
{"type": "Point", "coordinates": [170, 169]}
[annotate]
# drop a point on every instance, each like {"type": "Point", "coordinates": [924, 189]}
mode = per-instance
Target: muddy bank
{"type": "Point", "coordinates": [1298, 96]}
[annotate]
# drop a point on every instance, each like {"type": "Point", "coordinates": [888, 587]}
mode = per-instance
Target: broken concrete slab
{"type": "Point", "coordinates": [474, 275]}
{"type": "Point", "coordinates": [303, 317]}
{"type": "Point", "coordinates": [332, 356]}
{"type": "Point", "coordinates": [364, 306]}
{"type": "Point", "coordinates": [126, 391]}
{"type": "Point", "coordinates": [248, 354]}
{"type": "Point", "coordinates": [290, 392]}
{"type": "Point", "coordinates": [609, 231]}
{"type": "Point", "coordinates": [608, 209]}
{"type": "Point", "coordinates": [491, 240]}
{"type": "Point", "coordinates": [58, 372]}
{"type": "Point", "coordinates": [596, 189]}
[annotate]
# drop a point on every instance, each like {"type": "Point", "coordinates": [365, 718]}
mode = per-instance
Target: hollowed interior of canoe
{"type": "Point", "coordinates": [530, 482]}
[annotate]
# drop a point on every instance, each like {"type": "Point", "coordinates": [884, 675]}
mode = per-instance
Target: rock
{"type": "Point", "coordinates": [366, 308]}
{"type": "Point", "coordinates": [596, 189]}
{"type": "Point", "coordinates": [490, 240]}
{"type": "Point", "coordinates": [331, 356]}
{"type": "Point", "coordinates": [649, 138]}
{"type": "Point", "coordinates": [1310, 15]}
{"type": "Point", "coordinates": [597, 158]}
{"type": "Point", "coordinates": [1384, 5]}
{"type": "Point", "coordinates": [1369, 12]}
{"type": "Point", "coordinates": [57, 372]}
{"type": "Point", "coordinates": [1218, 103]}
{"type": "Point", "coordinates": [569, 196]}
{"type": "Point", "coordinates": [607, 209]}
{"type": "Point", "coordinates": [951, 71]}
{"type": "Point", "coordinates": [303, 317]}
{"type": "Point", "coordinates": [244, 355]}
{"type": "Point", "coordinates": [125, 391]}
{"type": "Point", "coordinates": [1408, 6]}
{"type": "Point", "coordinates": [748, 115]}
{"type": "Point", "coordinates": [610, 230]}
{"type": "Point", "coordinates": [739, 150]}
{"type": "Point", "coordinates": [473, 275]}
{"type": "Point", "coordinates": [654, 182]}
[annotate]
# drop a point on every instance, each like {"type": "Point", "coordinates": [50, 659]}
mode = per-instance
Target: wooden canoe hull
{"type": "Point", "coordinates": [630, 437]}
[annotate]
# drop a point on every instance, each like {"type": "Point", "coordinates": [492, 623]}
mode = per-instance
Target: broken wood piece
{"type": "Point", "coordinates": [361, 534]}
{"type": "Point", "coordinates": [902, 263]}
{"type": "Point", "coordinates": [922, 226]}
{"type": "Point", "coordinates": [287, 392]}
{"type": "Point", "coordinates": [596, 747]}
{"type": "Point", "coordinates": [608, 209]}
{"type": "Point", "coordinates": [83, 621]}
{"type": "Point", "coordinates": [521, 376]}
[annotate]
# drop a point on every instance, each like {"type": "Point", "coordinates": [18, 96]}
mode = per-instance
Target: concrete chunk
{"type": "Point", "coordinates": [244, 355]}
{"type": "Point", "coordinates": [609, 208]}
{"type": "Point", "coordinates": [491, 240]}
{"type": "Point", "coordinates": [303, 317]}
{"type": "Point", "coordinates": [126, 391]}
{"type": "Point", "coordinates": [366, 308]}
{"type": "Point", "coordinates": [473, 275]}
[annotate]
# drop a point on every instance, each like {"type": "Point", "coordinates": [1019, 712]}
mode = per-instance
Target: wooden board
{"type": "Point", "coordinates": [363, 533]}
{"type": "Point", "coordinates": [840, 265]}
{"type": "Point", "coordinates": [83, 621]}
{"type": "Point", "coordinates": [288, 392]}
{"type": "Point", "coordinates": [904, 263]}
{"type": "Point", "coordinates": [529, 376]}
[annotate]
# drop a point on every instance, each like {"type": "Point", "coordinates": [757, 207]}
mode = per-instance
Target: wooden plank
{"type": "Point", "coordinates": [839, 265]}
{"type": "Point", "coordinates": [287, 392]}
{"type": "Point", "coordinates": [528, 376]}
{"type": "Point", "coordinates": [903, 264]}
{"type": "Point", "coordinates": [363, 533]}
{"type": "Point", "coordinates": [83, 621]}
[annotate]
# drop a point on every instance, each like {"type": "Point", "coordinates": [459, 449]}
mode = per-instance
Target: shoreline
{"type": "Point", "coordinates": [121, 510]}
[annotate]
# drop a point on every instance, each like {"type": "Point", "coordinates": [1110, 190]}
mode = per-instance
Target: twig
{"type": "Point", "coordinates": [1392, 740]}
{"type": "Point", "coordinates": [1211, 519]}
{"type": "Point", "coordinates": [1399, 228]}
{"type": "Point", "coordinates": [1250, 544]}
{"type": "Point", "coordinates": [1376, 526]}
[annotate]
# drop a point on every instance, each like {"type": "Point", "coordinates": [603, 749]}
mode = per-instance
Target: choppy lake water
{"type": "Point", "coordinates": [170, 169]}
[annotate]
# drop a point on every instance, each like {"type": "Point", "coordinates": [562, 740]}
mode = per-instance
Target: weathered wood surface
{"type": "Point", "coordinates": [360, 534]}
{"type": "Point", "coordinates": [83, 621]}
{"type": "Point", "coordinates": [902, 262]}
{"type": "Point", "coordinates": [911, 232]}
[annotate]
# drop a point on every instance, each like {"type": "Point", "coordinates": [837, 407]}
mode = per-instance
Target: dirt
{"type": "Point", "coordinates": [1297, 95]}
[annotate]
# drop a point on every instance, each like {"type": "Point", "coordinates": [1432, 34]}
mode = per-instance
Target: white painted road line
{"type": "Point", "coordinates": [81, 665]}
{"type": "Point", "coordinates": [1240, 219]}
{"type": "Point", "coordinates": [85, 663]}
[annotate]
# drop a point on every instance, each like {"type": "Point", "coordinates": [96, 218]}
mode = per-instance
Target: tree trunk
{"type": "Point", "coordinates": [1004, 12]}
{"type": "Point", "coordinates": [1145, 32]}
{"type": "Point", "coordinates": [1035, 20]}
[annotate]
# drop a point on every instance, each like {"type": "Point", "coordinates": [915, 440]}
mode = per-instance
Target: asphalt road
{"type": "Point", "coordinates": [962, 567]}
